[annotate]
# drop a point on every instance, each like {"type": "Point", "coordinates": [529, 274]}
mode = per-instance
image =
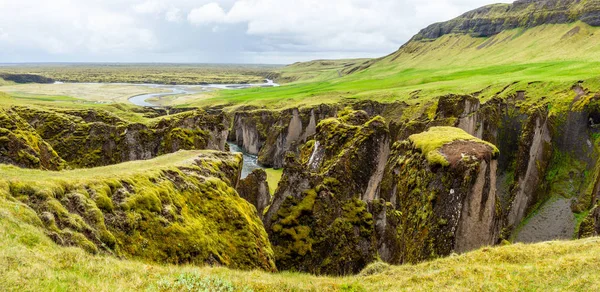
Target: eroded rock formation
{"type": "Point", "coordinates": [179, 209]}
{"type": "Point", "coordinates": [89, 138]}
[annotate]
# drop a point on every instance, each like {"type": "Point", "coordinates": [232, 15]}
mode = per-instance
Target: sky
{"type": "Point", "coordinates": [214, 31]}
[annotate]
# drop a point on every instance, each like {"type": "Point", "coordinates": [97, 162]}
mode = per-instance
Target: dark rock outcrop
{"type": "Point", "coordinates": [319, 220]}
{"type": "Point", "coordinates": [255, 190]}
{"type": "Point", "coordinates": [493, 19]}
{"type": "Point", "coordinates": [21, 145]}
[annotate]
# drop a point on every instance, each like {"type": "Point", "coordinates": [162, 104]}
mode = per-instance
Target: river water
{"type": "Point", "coordinates": [250, 161]}
{"type": "Point", "coordinates": [141, 100]}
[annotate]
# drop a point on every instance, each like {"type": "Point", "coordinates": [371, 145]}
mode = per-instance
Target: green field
{"type": "Point", "coordinates": [424, 70]}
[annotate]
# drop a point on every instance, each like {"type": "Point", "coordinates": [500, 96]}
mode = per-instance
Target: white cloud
{"type": "Point", "coordinates": [150, 7]}
{"type": "Point", "coordinates": [173, 15]}
{"type": "Point", "coordinates": [214, 30]}
{"type": "Point", "coordinates": [207, 14]}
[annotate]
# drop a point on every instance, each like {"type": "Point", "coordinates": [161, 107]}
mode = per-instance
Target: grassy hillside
{"type": "Point", "coordinates": [29, 261]}
{"type": "Point", "coordinates": [317, 70]}
{"type": "Point", "coordinates": [545, 61]}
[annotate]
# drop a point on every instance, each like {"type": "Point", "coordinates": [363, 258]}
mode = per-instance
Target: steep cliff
{"type": "Point", "coordinates": [442, 184]}
{"type": "Point", "coordinates": [492, 19]}
{"type": "Point", "coordinates": [319, 220]}
{"type": "Point", "coordinates": [255, 190]}
{"type": "Point", "coordinates": [180, 208]}
{"type": "Point", "coordinates": [94, 137]}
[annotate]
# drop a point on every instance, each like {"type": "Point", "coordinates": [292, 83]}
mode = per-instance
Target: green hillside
{"type": "Point", "coordinates": [545, 60]}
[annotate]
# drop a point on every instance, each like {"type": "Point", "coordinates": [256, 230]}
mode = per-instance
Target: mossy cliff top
{"type": "Point", "coordinates": [180, 208]}
{"type": "Point", "coordinates": [493, 19]}
{"type": "Point", "coordinates": [447, 145]}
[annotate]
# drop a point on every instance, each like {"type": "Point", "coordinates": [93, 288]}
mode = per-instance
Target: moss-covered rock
{"type": "Point", "coordinates": [438, 208]}
{"type": "Point", "coordinates": [94, 137]}
{"type": "Point", "coordinates": [20, 145]}
{"type": "Point", "coordinates": [180, 208]}
{"type": "Point", "coordinates": [319, 220]}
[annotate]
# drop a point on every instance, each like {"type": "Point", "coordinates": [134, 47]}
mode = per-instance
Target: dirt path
{"type": "Point", "coordinates": [553, 221]}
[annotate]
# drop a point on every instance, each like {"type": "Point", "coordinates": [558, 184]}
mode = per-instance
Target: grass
{"type": "Point", "coordinates": [273, 178]}
{"type": "Point", "coordinates": [431, 141]}
{"type": "Point", "coordinates": [544, 61]}
{"type": "Point", "coordinates": [29, 261]}
{"type": "Point", "coordinates": [31, 176]}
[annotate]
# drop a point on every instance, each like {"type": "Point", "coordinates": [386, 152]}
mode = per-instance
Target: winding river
{"type": "Point", "coordinates": [141, 100]}
{"type": "Point", "coordinates": [250, 161]}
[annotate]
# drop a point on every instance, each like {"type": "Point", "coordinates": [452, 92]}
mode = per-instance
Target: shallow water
{"type": "Point", "coordinates": [141, 100]}
{"type": "Point", "coordinates": [250, 161]}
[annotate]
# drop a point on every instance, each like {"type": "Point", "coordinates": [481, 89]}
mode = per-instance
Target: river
{"type": "Point", "coordinates": [250, 161]}
{"type": "Point", "coordinates": [141, 100]}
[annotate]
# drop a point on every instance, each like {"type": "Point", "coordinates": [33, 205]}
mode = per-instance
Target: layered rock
{"type": "Point", "coordinates": [493, 19]}
{"type": "Point", "coordinates": [319, 220]}
{"type": "Point", "coordinates": [180, 208]}
{"type": "Point", "coordinates": [88, 138]}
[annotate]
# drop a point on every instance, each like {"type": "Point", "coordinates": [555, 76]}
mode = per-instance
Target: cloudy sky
{"type": "Point", "coordinates": [213, 31]}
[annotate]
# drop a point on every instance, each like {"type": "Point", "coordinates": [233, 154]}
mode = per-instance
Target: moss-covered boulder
{"type": "Point", "coordinates": [319, 220]}
{"type": "Point", "coordinates": [441, 188]}
{"type": "Point", "coordinates": [254, 189]}
{"type": "Point", "coordinates": [94, 137]}
{"type": "Point", "coordinates": [180, 208]}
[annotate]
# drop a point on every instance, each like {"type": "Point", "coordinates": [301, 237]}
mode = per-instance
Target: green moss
{"type": "Point", "coordinates": [431, 141]}
{"type": "Point", "coordinates": [171, 209]}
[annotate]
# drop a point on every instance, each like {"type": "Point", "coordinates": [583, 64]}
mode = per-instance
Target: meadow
{"type": "Point", "coordinates": [146, 73]}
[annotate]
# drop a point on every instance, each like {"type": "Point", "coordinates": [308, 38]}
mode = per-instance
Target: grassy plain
{"type": "Point", "coordinates": [146, 73]}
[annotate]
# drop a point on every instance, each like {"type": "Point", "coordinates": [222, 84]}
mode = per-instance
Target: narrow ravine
{"type": "Point", "coordinates": [250, 161]}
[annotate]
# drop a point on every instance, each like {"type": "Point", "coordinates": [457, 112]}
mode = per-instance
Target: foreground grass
{"type": "Point", "coordinates": [29, 261]}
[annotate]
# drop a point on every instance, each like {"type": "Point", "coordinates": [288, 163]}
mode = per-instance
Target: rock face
{"type": "Point", "coordinates": [180, 208]}
{"type": "Point", "coordinates": [442, 206]}
{"type": "Point", "coordinates": [493, 19]}
{"type": "Point", "coordinates": [254, 189]}
{"type": "Point", "coordinates": [319, 220]}
{"type": "Point", "coordinates": [89, 138]}
{"type": "Point", "coordinates": [270, 134]}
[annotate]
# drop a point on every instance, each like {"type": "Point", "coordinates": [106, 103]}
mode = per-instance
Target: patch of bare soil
{"type": "Point", "coordinates": [554, 221]}
{"type": "Point", "coordinates": [459, 150]}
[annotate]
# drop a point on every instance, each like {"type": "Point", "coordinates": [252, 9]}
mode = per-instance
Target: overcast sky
{"type": "Point", "coordinates": [213, 31]}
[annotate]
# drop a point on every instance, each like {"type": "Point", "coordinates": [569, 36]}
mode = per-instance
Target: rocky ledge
{"type": "Point", "coordinates": [493, 19]}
